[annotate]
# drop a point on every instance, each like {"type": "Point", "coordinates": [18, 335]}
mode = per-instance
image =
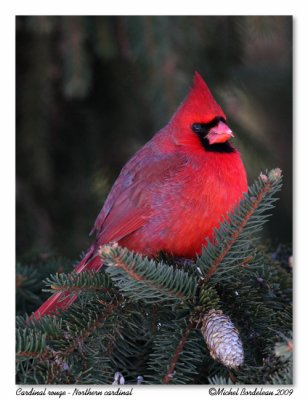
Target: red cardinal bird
{"type": "Point", "coordinates": [173, 192]}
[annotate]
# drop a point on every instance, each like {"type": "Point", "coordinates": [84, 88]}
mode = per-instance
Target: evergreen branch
{"type": "Point", "coordinates": [254, 205]}
{"type": "Point", "coordinates": [132, 341]}
{"type": "Point", "coordinates": [26, 276]}
{"type": "Point", "coordinates": [282, 377]}
{"type": "Point", "coordinates": [87, 281]}
{"type": "Point", "coordinates": [53, 358]}
{"type": "Point", "coordinates": [55, 366]}
{"type": "Point", "coordinates": [29, 343]}
{"type": "Point", "coordinates": [178, 349]}
{"type": "Point", "coordinates": [232, 244]}
{"type": "Point", "coordinates": [94, 323]}
{"type": "Point", "coordinates": [49, 325]}
{"type": "Point", "coordinates": [208, 298]}
{"type": "Point", "coordinates": [143, 279]}
{"type": "Point", "coordinates": [28, 287]}
{"type": "Point", "coordinates": [176, 355]}
{"type": "Point", "coordinates": [220, 380]}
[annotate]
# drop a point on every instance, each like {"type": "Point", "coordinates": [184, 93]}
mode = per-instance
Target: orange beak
{"type": "Point", "coordinates": [219, 133]}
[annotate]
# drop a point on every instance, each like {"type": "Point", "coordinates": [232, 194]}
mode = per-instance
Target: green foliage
{"type": "Point", "coordinates": [87, 281]}
{"type": "Point", "coordinates": [219, 380]}
{"type": "Point", "coordinates": [176, 337]}
{"type": "Point", "coordinates": [29, 343]}
{"type": "Point", "coordinates": [143, 279]}
{"type": "Point", "coordinates": [142, 317]}
{"type": "Point", "coordinates": [235, 239]}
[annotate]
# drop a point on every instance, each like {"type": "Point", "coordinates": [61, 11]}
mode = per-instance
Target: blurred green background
{"type": "Point", "coordinates": [90, 91]}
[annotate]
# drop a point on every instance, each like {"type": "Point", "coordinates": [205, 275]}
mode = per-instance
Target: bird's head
{"type": "Point", "coordinates": [200, 121]}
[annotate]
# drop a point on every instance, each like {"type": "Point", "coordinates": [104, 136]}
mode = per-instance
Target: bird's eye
{"type": "Point", "coordinates": [197, 128]}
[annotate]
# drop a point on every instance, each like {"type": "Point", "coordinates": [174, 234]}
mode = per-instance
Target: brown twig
{"type": "Point", "coordinates": [179, 348]}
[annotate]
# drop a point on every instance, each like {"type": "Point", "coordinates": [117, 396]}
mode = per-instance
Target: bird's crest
{"type": "Point", "coordinates": [199, 105]}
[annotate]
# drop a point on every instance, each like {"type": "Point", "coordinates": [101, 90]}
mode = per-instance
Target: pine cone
{"type": "Point", "coordinates": [222, 339]}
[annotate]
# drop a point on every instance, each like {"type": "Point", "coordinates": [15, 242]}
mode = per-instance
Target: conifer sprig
{"type": "Point", "coordinates": [233, 241]}
{"type": "Point", "coordinates": [87, 281]}
{"type": "Point", "coordinates": [183, 353]}
{"type": "Point", "coordinates": [29, 343]}
{"type": "Point", "coordinates": [177, 352]}
{"type": "Point", "coordinates": [77, 335]}
{"type": "Point", "coordinates": [143, 279]}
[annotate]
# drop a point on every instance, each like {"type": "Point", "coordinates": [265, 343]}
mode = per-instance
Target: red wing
{"type": "Point", "coordinates": [122, 185]}
{"type": "Point", "coordinates": [121, 227]}
{"type": "Point", "coordinates": [130, 203]}
{"type": "Point", "coordinates": [129, 212]}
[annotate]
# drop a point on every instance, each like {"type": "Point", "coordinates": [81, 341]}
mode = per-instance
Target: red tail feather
{"type": "Point", "coordinates": [62, 300]}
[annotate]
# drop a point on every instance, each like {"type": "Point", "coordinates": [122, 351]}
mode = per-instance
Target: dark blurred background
{"type": "Point", "coordinates": [93, 90]}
